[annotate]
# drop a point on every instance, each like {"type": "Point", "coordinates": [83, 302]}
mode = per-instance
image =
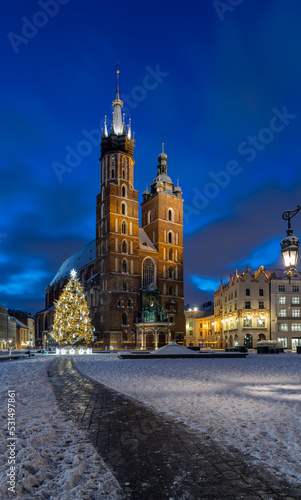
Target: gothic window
{"type": "Point", "coordinates": [170, 273]}
{"type": "Point", "coordinates": [170, 290]}
{"type": "Point", "coordinates": [170, 215]}
{"type": "Point", "coordinates": [123, 208]}
{"type": "Point", "coordinates": [170, 254]}
{"type": "Point", "coordinates": [124, 286]}
{"type": "Point", "coordinates": [112, 167]}
{"type": "Point", "coordinates": [123, 227]}
{"type": "Point", "coordinates": [164, 271]}
{"type": "Point", "coordinates": [148, 272]}
{"type": "Point", "coordinates": [102, 193]}
{"type": "Point", "coordinates": [116, 265]}
{"type": "Point", "coordinates": [117, 226]}
{"type": "Point", "coordinates": [124, 319]}
{"type": "Point", "coordinates": [164, 253]}
{"type": "Point", "coordinates": [124, 266]}
{"type": "Point", "coordinates": [170, 237]}
{"type": "Point", "coordinates": [101, 229]}
{"type": "Point", "coordinates": [124, 247]}
{"type": "Point", "coordinates": [102, 211]}
{"type": "Point", "coordinates": [116, 245]}
{"type": "Point", "coordinates": [123, 191]}
{"type": "Point", "coordinates": [149, 216]}
{"type": "Point", "coordinates": [102, 267]}
{"type": "Point", "coordinates": [124, 168]}
{"type": "Point", "coordinates": [131, 228]}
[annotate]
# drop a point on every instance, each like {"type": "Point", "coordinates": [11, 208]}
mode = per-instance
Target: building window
{"type": "Point", "coordinates": [117, 226]}
{"type": "Point", "coordinates": [248, 291]}
{"type": "Point", "coordinates": [148, 272]}
{"type": "Point", "coordinates": [295, 288]}
{"type": "Point", "coordinates": [281, 288]}
{"type": "Point", "coordinates": [296, 313]}
{"type": "Point", "coordinates": [261, 304]}
{"type": "Point", "coordinates": [123, 208]}
{"type": "Point", "coordinates": [247, 304]}
{"type": "Point", "coordinates": [170, 237]}
{"type": "Point", "coordinates": [260, 322]}
{"type": "Point", "coordinates": [282, 313]}
{"type": "Point", "coordinates": [124, 286]}
{"type": "Point", "coordinates": [119, 303]}
{"type": "Point", "coordinates": [235, 306]}
{"type": "Point", "coordinates": [123, 191]}
{"type": "Point", "coordinates": [247, 322]}
{"type": "Point", "coordinates": [102, 211]}
{"type": "Point", "coordinates": [261, 292]}
{"type": "Point", "coordinates": [124, 319]}
{"type": "Point", "coordinates": [123, 168]}
{"type": "Point", "coordinates": [130, 303]}
{"type": "Point", "coordinates": [149, 217]}
{"type": "Point", "coordinates": [164, 271]}
{"type": "Point", "coordinates": [235, 294]}
{"type": "Point", "coordinates": [170, 214]}
{"type": "Point", "coordinates": [281, 300]}
{"type": "Point", "coordinates": [296, 327]}
{"type": "Point", "coordinates": [124, 266]}
{"type": "Point", "coordinates": [170, 290]}
{"type": "Point", "coordinates": [164, 289]}
{"type": "Point", "coordinates": [124, 247]}
{"type": "Point", "coordinates": [282, 327]}
{"type": "Point", "coordinates": [170, 273]}
{"type": "Point", "coordinates": [123, 227]}
{"type": "Point", "coordinates": [295, 300]}
{"type": "Point", "coordinates": [170, 254]}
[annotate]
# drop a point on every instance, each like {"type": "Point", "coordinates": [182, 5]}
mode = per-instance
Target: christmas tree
{"type": "Point", "coordinates": [71, 319]}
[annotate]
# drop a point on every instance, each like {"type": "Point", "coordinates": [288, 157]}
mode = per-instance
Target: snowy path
{"type": "Point", "coordinates": [253, 404]}
{"type": "Point", "coordinates": [54, 460]}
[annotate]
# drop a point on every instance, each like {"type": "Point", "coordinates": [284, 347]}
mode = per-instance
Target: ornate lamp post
{"type": "Point", "coordinates": [290, 245]}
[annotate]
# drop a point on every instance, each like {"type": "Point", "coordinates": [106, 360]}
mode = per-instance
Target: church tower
{"type": "Point", "coordinates": [162, 220]}
{"type": "Point", "coordinates": [117, 233]}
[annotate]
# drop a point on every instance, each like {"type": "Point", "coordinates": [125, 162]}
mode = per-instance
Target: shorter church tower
{"type": "Point", "coordinates": [162, 221]}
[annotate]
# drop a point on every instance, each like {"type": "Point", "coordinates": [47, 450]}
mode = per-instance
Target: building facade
{"type": "Point", "coordinates": [242, 309]}
{"type": "Point", "coordinates": [200, 330]}
{"type": "Point", "coordinates": [286, 309]}
{"type": "Point", "coordinates": [7, 329]}
{"type": "Point", "coordinates": [132, 274]}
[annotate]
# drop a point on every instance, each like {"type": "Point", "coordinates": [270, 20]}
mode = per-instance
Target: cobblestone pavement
{"type": "Point", "coordinates": [152, 456]}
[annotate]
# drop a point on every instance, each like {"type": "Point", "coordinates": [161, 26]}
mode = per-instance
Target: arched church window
{"type": "Point", "coordinates": [124, 168]}
{"type": "Point", "coordinates": [124, 319]}
{"type": "Point", "coordinates": [124, 227]}
{"type": "Point", "coordinates": [112, 167]}
{"type": "Point", "coordinates": [170, 273]}
{"type": "Point", "coordinates": [124, 247]}
{"type": "Point", "coordinates": [149, 216]}
{"type": "Point", "coordinates": [102, 211]}
{"type": "Point", "coordinates": [123, 191]}
{"type": "Point", "coordinates": [170, 237]}
{"type": "Point", "coordinates": [170, 254]}
{"type": "Point", "coordinates": [124, 266]}
{"type": "Point", "coordinates": [148, 272]}
{"type": "Point", "coordinates": [170, 214]}
{"type": "Point", "coordinates": [123, 208]}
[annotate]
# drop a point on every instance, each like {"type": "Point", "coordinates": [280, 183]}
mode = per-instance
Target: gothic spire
{"type": "Point", "coordinates": [117, 124]}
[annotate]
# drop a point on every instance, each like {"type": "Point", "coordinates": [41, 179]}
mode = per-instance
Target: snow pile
{"type": "Point", "coordinates": [54, 459]}
{"type": "Point", "coordinates": [173, 348]}
{"type": "Point", "coordinates": [253, 404]}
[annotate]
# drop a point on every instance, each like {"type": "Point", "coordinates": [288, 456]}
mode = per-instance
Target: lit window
{"type": "Point", "coordinates": [260, 322]}
{"type": "Point", "coordinates": [295, 300]}
{"type": "Point", "coordinates": [296, 327]}
{"type": "Point", "coordinates": [281, 300]}
{"type": "Point", "coordinates": [282, 327]}
{"type": "Point", "coordinates": [247, 304]}
{"type": "Point", "coordinates": [295, 313]}
{"type": "Point", "coordinates": [282, 313]}
{"type": "Point", "coordinates": [261, 305]}
{"type": "Point", "coordinates": [247, 322]}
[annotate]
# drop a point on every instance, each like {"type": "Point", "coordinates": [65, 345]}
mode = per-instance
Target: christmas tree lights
{"type": "Point", "coordinates": [71, 319]}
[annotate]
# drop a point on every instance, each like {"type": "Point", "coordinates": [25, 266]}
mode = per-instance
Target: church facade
{"type": "Point", "coordinates": [132, 273]}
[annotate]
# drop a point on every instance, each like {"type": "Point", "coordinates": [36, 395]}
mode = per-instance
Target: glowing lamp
{"type": "Point", "coordinates": [290, 251]}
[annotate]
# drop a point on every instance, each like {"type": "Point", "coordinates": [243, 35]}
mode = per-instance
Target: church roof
{"type": "Point", "coordinates": [78, 260]}
{"type": "Point", "coordinates": [145, 242]}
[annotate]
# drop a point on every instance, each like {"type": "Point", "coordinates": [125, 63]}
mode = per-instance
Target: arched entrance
{"type": "Point", "coordinates": [248, 341]}
{"type": "Point", "coordinates": [236, 339]}
{"type": "Point", "coordinates": [261, 336]}
{"type": "Point", "coordinates": [149, 340]}
{"type": "Point", "coordinates": [161, 339]}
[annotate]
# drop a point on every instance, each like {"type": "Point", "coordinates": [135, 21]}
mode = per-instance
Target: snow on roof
{"type": "Point", "coordinates": [173, 348]}
{"type": "Point", "coordinates": [78, 260]}
{"type": "Point", "coordinates": [19, 323]}
{"type": "Point", "coordinates": [45, 310]}
{"type": "Point", "coordinates": [145, 242]}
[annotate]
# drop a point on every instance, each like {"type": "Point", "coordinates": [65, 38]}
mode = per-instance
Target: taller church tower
{"type": "Point", "coordinates": [139, 301]}
{"type": "Point", "coordinates": [117, 231]}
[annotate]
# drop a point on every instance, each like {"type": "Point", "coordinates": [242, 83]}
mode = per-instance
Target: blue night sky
{"type": "Point", "coordinates": [219, 84]}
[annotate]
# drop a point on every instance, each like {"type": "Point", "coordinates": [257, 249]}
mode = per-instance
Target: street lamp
{"type": "Point", "coordinates": [290, 245]}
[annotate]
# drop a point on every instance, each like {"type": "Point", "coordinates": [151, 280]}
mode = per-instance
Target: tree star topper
{"type": "Point", "coordinates": [73, 273]}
